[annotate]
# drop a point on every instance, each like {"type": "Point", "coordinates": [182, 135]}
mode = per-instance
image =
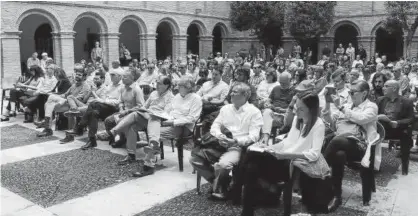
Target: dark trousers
{"type": "Point", "coordinates": [338, 152]}
{"type": "Point", "coordinates": [36, 103]}
{"type": "Point", "coordinates": [260, 166]}
{"type": "Point", "coordinates": [110, 122]}
{"type": "Point", "coordinates": [94, 112]}
{"type": "Point", "coordinates": [14, 97]}
{"type": "Point", "coordinates": [405, 137]}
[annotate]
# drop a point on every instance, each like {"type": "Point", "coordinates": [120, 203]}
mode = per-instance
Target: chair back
{"type": "Point", "coordinates": [381, 132]}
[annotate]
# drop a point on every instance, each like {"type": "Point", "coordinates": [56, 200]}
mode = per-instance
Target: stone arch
{"type": "Point", "coordinates": [345, 22]}
{"type": "Point", "coordinates": [141, 24]}
{"type": "Point", "coordinates": [172, 23]}
{"type": "Point", "coordinates": [53, 20]}
{"type": "Point", "coordinates": [201, 26]}
{"type": "Point", "coordinates": [224, 29]}
{"type": "Point", "coordinates": [95, 16]}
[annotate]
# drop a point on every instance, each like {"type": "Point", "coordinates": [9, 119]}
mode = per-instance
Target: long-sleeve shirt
{"type": "Point", "coordinates": [157, 103]}
{"type": "Point", "coordinates": [32, 61]}
{"type": "Point", "coordinates": [364, 115]}
{"type": "Point", "coordinates": [78, 91]}
{"type": "Point", "coordinates": [310, 145]}
{"type": "Point", "coordinates": [47, 84]}
{"type": "Point", "coordinates": [147, 79]}
{"type": "Point", "coordinates": [131, 97]}
{"type": "Point", "coordinates": [113, 93]}
{"type": "Point", "coordinates": [185, 110]}
{"type": "Point", "coordinates": [217, 92]}
{"type": "Point", "coordinates": [244, 124]}
{"type": "Point", "coordinates": [399, 109]}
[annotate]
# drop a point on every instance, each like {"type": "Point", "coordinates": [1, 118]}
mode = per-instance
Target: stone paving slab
{"type": "Point", "coordinates": [16, 135]}
{"type": "Point", "coordinates": [59, 177]}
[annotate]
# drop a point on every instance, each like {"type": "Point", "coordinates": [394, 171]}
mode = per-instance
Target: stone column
{"type": "Point", "coordinates": [67, 51]}
{"type": "Point", "coordinates": [205, 45]}
{"type": "Point", "coordinates": [10, 58]}
{"type": "Point", "coordinates": [112, 44]}
{"type": "Point", "coordinates": [406, 52]}
{"type": "Point", "coordinates": [287, 45]}
{"type": "Point", "coordinates": [179, 46]}
{"type": "Point", "coordinates": [57, 48]}
{"type": "Point", "coordinates": [148, 46]}
{"type": "Point", "coordinates": [372, 45]}
{"type": "Point", "coordinates": [366, 41]}
{"type": "Point", "coordinates": [323, 40]}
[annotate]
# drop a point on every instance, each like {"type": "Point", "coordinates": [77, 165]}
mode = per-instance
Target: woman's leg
{"type": "Point", "coordinates": [338, 152]}
{"type": "Point", "coordinates": [259, 166]}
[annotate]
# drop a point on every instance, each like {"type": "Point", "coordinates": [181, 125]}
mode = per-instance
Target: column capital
{"type": "Point", "coordinates": [205, 38]}
{"type": "Point", "coordinates": [11, 34]}
{"type": "Point", "coordinates": [326, 38]}
{"type": "Point", "coordinates": [288, 39]}
{"type": "Point", "coordinates": [365, 38]}
{"type": "Point", "coordinates": [111, 35]}
{"type": "Point", "coordinates": [148, 36]}
{"type": "Point", "coordinates": [67, 35]}
{"type": "Point", "coordinates": [179, 37]}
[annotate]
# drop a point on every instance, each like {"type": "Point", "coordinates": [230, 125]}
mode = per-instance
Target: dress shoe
{"type": "Point", "coordinates": [144, 172]}
{"type": "Point", "coordinates": [127, 160]}
{"type": "Point", "coordinates": [4, 118]}
{"type": "Point", "coordinates": [154, 148]}
{"type": "Point", "coordinates": [12, 114]}
{"type": "Point", "coordinates": [334, 204]}
{"type": "Point", "coordinates": [43, 124]}
{"type": "Point", "coordinates": [90, 144]}
{"type": "Point", "coordinates": [218, 196]}
{"type": "Point", "coordinates": [29, 118]}
{"type": "Point", "coordinates": [68, 138]}
{"type": "Point", "coordinates": [46, 132]}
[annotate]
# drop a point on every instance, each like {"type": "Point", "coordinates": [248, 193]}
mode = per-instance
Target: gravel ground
{"type": "Point", "coordinates": [388, 167]}
{"type": "Point", "coordinates": [16, 135]}
{"type": "Point", "coordinates": [191, 204]}
{"type": "Point", "coordinates": [60, 177]}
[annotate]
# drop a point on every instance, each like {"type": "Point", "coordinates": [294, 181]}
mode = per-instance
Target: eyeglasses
{"type": "Point", "coordinates": [352, 92]}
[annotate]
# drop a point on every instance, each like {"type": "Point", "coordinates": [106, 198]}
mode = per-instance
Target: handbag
{"type": "Point", "coordinates": [315, 169]}
{"type": "Point", "coordinates": [209, 149]}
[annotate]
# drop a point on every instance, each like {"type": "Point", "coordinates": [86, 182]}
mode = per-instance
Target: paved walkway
{"type": "Point", "coordinates": [43, 177]}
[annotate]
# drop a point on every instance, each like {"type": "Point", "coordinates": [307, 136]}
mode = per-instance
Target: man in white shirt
{"type": "Point", "coordinates": [243, 121]}
{"type": "Point", "coordinates": [33, 60]}
{"type": "Point", "coordinates": [149, 77]}
{"type": "Point", "coordinates": [43, 61]}
{"type": "Point", "coordinates": [219, 58]}
{"type": "Point", "coordinates": [357, 61]}
{"type": "Point", "coordinates": [213, 95]}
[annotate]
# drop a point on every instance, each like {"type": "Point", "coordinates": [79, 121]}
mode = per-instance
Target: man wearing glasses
{"type": "Point", "coordinates": [258, 76]}
{"type": "Point", "coordinates": [341, 90]}
{"type": "Point", "coordinates": [148, 77]}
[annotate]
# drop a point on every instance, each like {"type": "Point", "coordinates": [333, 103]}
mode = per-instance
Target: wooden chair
{"type": "Point", "coordinates": [404, 157]}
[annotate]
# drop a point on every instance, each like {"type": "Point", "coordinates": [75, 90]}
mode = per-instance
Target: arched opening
{"type": "Point", "coordinates": [87, 33]}
{"type": "Point", "coordinates": [36, 37]}
{"type": "Point", "coordinates": [344, 35]}
{"type": "Point", "coordinates": [217, 39]}
{"type": "Point", "coordinates": [193, 39]}
{"type": "Point", "coordinates": [389, 43]}
{"type": "Point", "coordinates": [164, 42]}
{"type": "Point", "coordinates": [129, 37]}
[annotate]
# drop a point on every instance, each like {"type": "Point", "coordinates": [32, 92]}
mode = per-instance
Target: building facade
{"type": "Point", "coordinates": [67, 31]}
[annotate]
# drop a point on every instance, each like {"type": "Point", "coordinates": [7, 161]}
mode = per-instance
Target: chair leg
{"type": "Point", "coordinates": [2, 99]}
{"type": "Point", "coordinates": [194, 171]}
{"type": "Point", "coordinates": [180, 155]}
{"type": "Point", "coordinates": [287, 195]}
{"type": "Point", "coordinates": [198, 180]}
{"type": "Point", "coordinates": [367, 185]}
{"type": "Point", "coordinates": [172, 144]}
{"type": "Point", "coordinates": [162, 150]}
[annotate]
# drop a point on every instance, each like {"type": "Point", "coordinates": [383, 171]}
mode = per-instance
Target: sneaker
{"type": "Point", "coordinates": [103, 136]}
{"type": "Point", "coordinates": [414, 149]}
{"type": "Point", "coordinates": [68, 138]}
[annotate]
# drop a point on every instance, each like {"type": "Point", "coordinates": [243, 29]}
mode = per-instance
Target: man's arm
{"type": "Point", "coordinates": [215, 129]}
{"type": "Point", "coordinates": [369, 114]}
{"type": "Point", "coordinates": [408, 109]}
{"type": "Point", "coordinates": [224, 93]}
{"type": "Point", "coordinates": [254, 131]}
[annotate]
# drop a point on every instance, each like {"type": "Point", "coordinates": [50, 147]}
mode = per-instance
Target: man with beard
{"type": "Point", "coordinates": [378, 81]}
{"type": "Point", "coordinates": [59, 103]}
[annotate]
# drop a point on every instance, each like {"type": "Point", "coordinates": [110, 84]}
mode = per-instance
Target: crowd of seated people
{"type": "Point", "coordinates": [239, 101]}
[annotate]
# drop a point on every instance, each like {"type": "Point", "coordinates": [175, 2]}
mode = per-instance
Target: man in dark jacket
{"type": "Point", "coordinates": [396, 114]}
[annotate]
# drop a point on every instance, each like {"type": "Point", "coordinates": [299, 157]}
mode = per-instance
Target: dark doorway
{"type": "Point", "coordinates": [217, 39]}
{"type": "Point", "coordinates": [389, 43]}
{"type": "Point", "coordinates": [164, 41]}
{"type": "Point", "coordinates": [193, 39]}
{"type": "Point", "coordinates": [312, 43]}
{"type": "Point", "coordinates": [130, 37]}
{"type": "Point", "coordinates": [344, 35]}
{"type": "Point", "coordinates": [87, 33]}
{"type": "Point", "coordinates": [43, 40]}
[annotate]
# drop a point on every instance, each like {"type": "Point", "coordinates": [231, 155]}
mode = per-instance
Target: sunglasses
{"type": "Point", "coordinates": [352, 92]}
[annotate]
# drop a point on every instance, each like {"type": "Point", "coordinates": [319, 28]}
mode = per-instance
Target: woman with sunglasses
{"type": "Point", "coordinates": [355, 131]}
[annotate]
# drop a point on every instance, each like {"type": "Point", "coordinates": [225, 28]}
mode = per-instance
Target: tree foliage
{"type": "Point", "coordinates": [307, 20]}
{"type": "Point", "coordinates": [402, 15]}
{"type": "Point", "coordinates": [263, 18]}
{"type": "Point", "coordinates": [304, 20]}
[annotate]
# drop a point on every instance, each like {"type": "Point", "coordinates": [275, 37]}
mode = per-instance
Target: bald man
{"type": "Point", "coordinates": [278, 102]}
{"type": "Point", "coordinates": [396, 114]}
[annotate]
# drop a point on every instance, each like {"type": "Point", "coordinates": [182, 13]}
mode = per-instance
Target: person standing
{"type": "Point", "coordinates": [351, 52]}
{"type": "Point", "coordinates": [96, 53]}
{"type": "Point", "coordinates": [363, 54]}
{"type": "Point", "coordinates": [326, 51]}
{"type": "Point", "coordinates": [33, 60]}
{"type": "Point", "coordinates": [340, 50]}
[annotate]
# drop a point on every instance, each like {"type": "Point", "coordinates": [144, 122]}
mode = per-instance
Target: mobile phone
{"type": "Point", "coordinates": [330, 91]}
